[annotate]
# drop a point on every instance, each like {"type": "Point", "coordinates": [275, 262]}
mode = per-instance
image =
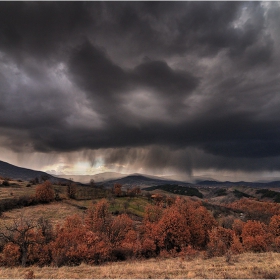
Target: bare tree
{"type": "Point", "coordinates": [21, 233]}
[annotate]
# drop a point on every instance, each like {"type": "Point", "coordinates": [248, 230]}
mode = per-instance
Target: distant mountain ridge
{"type": "Point", "coordinates": [140, 180]}
{"type": "Point", "coordinates": [8, 170]}
{"type": "Point", "coordinates": [100, 177]}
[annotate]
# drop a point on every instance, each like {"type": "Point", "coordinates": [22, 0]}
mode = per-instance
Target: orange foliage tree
{"type": "Point", "coordinates": [68, 238]}
{"type": "Point", "coordinates": [152, 215]}
{"type": "Point", "coordinates": [236, 246]}
{"type": "Point", "coordinates": [274, 229]}
{"type": "Point", "coordinates": [199, 220]}
{"type": "Point", "coordinates": [98, 218]}
{"type": "Point", "coordinates": [74, 244]}
{"type": "Point", "coordinates": [172, 231]}
{"type": "Point", "coordinates": [118, 229]}
{"type": "Point", "coordinates": [45, 192]}
{"type": "Point", "coordinates": [183, 223]}
{"type": "Point", "coordinates": [254, 236]}
{"type": "Point", "coordinates": [124, 240]}
{"type": "Point", "coordinates": [220, 240]}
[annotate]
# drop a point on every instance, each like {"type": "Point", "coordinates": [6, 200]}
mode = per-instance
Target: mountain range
{"type": "Point", "coordinates": [108, 179]}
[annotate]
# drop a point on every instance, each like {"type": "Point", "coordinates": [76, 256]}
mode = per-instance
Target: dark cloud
{"type": "Point", "coordinates": [161, 77]}
{"type": "Point", "coordinates": [95, 72]}
{"type": "Point", "coordinates": [182, 85]}
{"type": "Point", "coordinates": [41, 29]}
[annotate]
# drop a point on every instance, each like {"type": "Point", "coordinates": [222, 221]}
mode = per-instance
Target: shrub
{"type": "Point", "coordinates": [11, 255]}
{"type": "Point", "coordinates": [45, 192]}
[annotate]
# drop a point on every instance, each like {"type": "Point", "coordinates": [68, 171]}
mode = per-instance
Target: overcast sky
{"type": "Point", "coordinates": [187, 88]}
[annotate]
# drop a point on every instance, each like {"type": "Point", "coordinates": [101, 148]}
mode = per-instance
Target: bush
{"type": "Point", "coordinates": [45, 192]}
{"type": "Point", "coordinates": [10, 255]}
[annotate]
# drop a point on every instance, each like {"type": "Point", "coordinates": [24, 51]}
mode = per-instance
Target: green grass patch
{"type": "Point", "coordinates": [134, 205]}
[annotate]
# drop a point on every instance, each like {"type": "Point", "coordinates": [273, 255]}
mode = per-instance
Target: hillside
{"type": "Point", "coordinates": [142, 181]}
{"type": "Point", "coordinates": [19, 173]}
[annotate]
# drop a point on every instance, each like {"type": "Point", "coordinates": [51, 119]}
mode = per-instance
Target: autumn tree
{"type": "Point", "coordinates": [152, 216]}
{"type": "Point", "coordinates": [118, 229]}
{"type": "Point", "coordinates": [172, 231]}
{"type": "Point", "coordinates": [274, 229]}
{"type": "Point", "coordinates": [236, 246]}
{"type": "Point", "coordinates": [117, 189]}
{"type": "Point", "coordinates": [198, 219]}
{"type": "Point", "coordinates": [20, 236]}
{"type": "Point", "coordinates": [220, 241]}
{"type": "Point", "coordinates": [123, 238]}
{"type": "Point", "coordinates": [45, 192]}
{"type": "Point", "coordinates": [40, 252]}
{"type": "Point", "coordinates": [254, 236]}
{"type": "Point", "coordinates": [98, 218]}
{"type": "Point", "coordinates": [274, 225]}
{"type": "Point", "coordinates": [237, 226]}
{"type": "Point", "coordinates": [68, 237]}
{"type": "Point", "coordinates": [75, 243]}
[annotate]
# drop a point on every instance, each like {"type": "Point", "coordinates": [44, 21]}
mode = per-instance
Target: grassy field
{"type": "Point", "coordinates": [245, 266]}
{"type": "Point", "coordinates": [15, 190]}
{"type": "Point", "coordinates": [56, 212]}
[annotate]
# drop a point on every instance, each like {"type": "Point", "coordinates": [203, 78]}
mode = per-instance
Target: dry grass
{"type": "Point", "coordinates": [55, 212]}
{"type": "Point", "coordinates": [16, 190]}
{"type": "Point", "coordinates": [246, 266]}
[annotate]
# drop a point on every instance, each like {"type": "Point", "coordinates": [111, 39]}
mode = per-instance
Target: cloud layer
{"type": "Point", "coordinates": [161, 85]}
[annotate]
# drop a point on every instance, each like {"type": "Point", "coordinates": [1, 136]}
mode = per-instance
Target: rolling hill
{"type": "Point", "coordinates": [19, 173]}
{"type": "Point", "coordinates": [142, 181]}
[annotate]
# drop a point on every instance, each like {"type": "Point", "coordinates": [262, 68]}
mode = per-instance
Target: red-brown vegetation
{"type": "Point", "coordinates": [45, 192]}
{"type": "Point", "coordinates": [179, 228]}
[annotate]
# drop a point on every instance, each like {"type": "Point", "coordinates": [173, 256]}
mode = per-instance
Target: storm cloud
{"type": "Point", "coordinates": [178, 86]}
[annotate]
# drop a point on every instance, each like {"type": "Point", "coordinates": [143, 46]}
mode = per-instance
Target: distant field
{"type": "Point", "coordinates": [245, 266]}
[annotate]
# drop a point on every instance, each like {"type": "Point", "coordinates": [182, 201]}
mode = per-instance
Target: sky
{"type": "Point", "coordinates": [162, 88]}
